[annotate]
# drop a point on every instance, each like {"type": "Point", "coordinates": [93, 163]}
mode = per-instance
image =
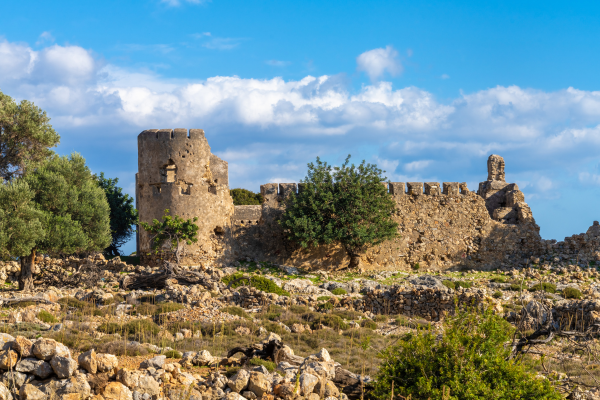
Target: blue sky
{"type": "Point", "coordinates": [426, 90]}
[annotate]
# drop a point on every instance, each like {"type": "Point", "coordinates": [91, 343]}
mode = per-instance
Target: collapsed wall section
{"type": "Point", "coordinates": [178, 172]}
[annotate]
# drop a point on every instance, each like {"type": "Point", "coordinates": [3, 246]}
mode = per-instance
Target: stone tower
{"type": "Point", "coordinates": [177, 171]}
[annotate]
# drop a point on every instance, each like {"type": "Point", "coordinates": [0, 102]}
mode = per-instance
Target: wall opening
{"type": "Point", "coordinates": [168, 173]}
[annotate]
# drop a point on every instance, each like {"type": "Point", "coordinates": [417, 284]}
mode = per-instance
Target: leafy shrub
{"type": "Point", "coordinates": [244, 197]}
{"type": "Point", "coordinates": [147, 298]}
{"type": "Point", "coordinates": [25, 304]}
{"type": "Point", "coordinates": [348, 314]}
{"type": "Point", "coordinates": [110, 328]}
{"type": "Point", "coordinates": [546, 287]}
{"type": "Point", "coordinates": [325, 306]}
{"type": "Point", "coordinates": [330, 320]}
{"type": "Point", "coordinates": [141, 326]}
{"type": "Point", "coordinates": [231, 371]}
{"type": "Point", "coordinates": [367, 323]}
{"type": "Point", "coordinates": [162, 308]}
{"type": "Point", "coordinates": [299, 309]}
{"type": "Point", "coordinates": [470, 361]}
{"type": "Point", "coordinates": [234, 310]}
{"type": "Point", "coordinates": [338, 291]}
{"type": "Point", "coordinates": [499, 279]}
{"type": "Point", "coordinates": [463, 284]}
{"type": "Point", "coordinates": [449, 284]}
{"type": "Point", "coordinates": [258, 282]}
{"type": "Point", "coordinates": [173, 354]}
{"type": "Point", "coordinates": [269, 365]}
{"type": "Point", "coordinates": [73, 302]}
{"type": "Point", "coordinates": [572, 293]}
{"type": "Point", "coordinates": [46, 317]}
{"type": "Point", "coordinates": [515, 287]}
{"type": "Point", "coordinates": [497, 294]}
{"type": "Point", "coordinates": [381, 318]}
{"type": "Point", "coordinates": [416, 267]}
{"type": "Point", "coordinates": [323, 298]}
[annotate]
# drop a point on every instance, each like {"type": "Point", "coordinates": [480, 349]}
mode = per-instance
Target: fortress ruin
{"type": "Point", "coordinates": [441, 226]}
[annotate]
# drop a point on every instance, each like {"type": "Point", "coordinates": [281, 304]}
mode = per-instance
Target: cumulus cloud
{"type": "Point", "coordinates": [277, 63]}
{"type": "Point", "coordinates": [375, 63]}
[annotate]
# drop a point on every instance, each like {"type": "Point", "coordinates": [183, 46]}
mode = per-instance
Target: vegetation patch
{"type": "Point", "coordinates": [572, 293]}
{"type": "Point", "coordinates": [173, 354]}
{"type": "Point", "coordinates": [367, 323]}
{"type": "Point", "coordinates": [46, 317]}
{"type": "Point", "coordinates": [449, 284]}
{"type": "Point", "coordinates": [338, 291]}
{"type": "Point", "coordinates": [258, 282]}
{"type": "Point", "coordinates": [269, 365]}
{"type": "Point", "coordinates": [234, 310]}
{"type": "Point", "coordinates": [546, 287]}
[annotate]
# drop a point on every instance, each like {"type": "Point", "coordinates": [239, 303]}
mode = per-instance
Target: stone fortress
{"type": "Point", "coordinates": [441, 227]}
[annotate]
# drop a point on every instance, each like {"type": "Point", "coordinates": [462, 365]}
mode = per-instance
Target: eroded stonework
{"type": "Point", "coordinates": [441, 226]}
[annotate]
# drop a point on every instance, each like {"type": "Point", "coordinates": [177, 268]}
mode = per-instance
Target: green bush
{"type": "Point", "coordinates": [463, 284]}
{"type": "Point", "coordinates": [110, 328]}
{"type": "Point", "coordinates": [416, 267]}
{"type": "Point", "coordinates": [338, 291]}
{"type": "Point", "coordinates": [162, 308]}
{"type": "Point", "coordinates": [323, 298]}
{"type": "Point", "coordinates": [73, 302]}
{"type": "Point", "coordinates": [572, 293]}
{"type": "Point", "coordinates": [257, 282]}
{"type": "Point", "coordinates": [382, 318]}
{"type": "Point", "coordinates": [269, 365]}
{"type": "Point", "coordinates": [348, 314]}
{"type": "Point", "coordinates": [546, 287]}
{"type": "Point", "coordinates": [244, 197]}
{"type": "Point", "coordinates": [46, 317]}
{"type": "Point", "coordinates": [497, 294]}
{"type": "Point", "coordinates": [141, 326]}
{"type": "Point", "coordinates": [499, 279]}
{"type": "Point", "coordinates": [325, 306]}
{"type": "Point", "coordinates": [470, 361]}
{"type": "Point", "coordinates": [515, 287]}
{"type": "Point", "coordinates": [173, 354]}
{"type": "Point", "coordinates": [234, 310]}
{"type": "Point", "coordinates": [449, 284]}
{"type": "Point", "coordinates": [367, 323]}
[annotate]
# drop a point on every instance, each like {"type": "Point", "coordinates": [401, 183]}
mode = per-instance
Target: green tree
{"type": "Point", "coordinates": [470, 361]}
{"type": "Point", "coordinates": [26, 137]}
{"type": "Point", "coordinates": [123, 215]}
{"type": "Point", "coordinates": [173, 231]}
{"type": "Point", "coordinates": [346, 205]}
{"type": "Point", "coordinates": [73, 210]}
{"type": "Point", "coordinates": [20, 226]}
{"type": "Point", "coordinates": [244, 197]}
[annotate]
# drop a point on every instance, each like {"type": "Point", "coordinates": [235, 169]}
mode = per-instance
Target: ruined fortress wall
{"type": "Point", "coordinates": [178, 172]}
{"type": "Point", "coordinates": [440, 227]}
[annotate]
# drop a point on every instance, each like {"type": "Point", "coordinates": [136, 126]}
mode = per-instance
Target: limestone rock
{"type": "Point", "coordinates": [88, 361]}
{"type": "Point", "coordinates": [8, 359]}
{"type": "Point", "coordinates": [45, 349]}
{"type": "Point", "coordinates": [39, 368]}
{"type": "Point", "coordinates": [5, 338]}
{"type": "Point", "coordinates": [155, 362]}
{"type": "Point", "coordinates": [239, 381]}
{"type": "Point", "coordinates": [5, 393]}
{"type": "Point", "coordinates": [63, 367]}
{"type": "Point", "coordinates": [203, 358]}
{"type": "Point", "coordinates": [30, 392]}
{"type": "Point", "coordinates": [106, 362]}
{"type": "Point", "coordinates": [258, 384]}
{"type": "Point", "coordinates": [117, 391]}
{"type": "Point", "coordinates": [75, 385]}
{"type": "Point", "coordinates": [23, 346]}
{"type": "Point", "coordinates": [307, 383]}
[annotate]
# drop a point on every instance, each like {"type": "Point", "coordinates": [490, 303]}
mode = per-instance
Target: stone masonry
{"type": "Point", "coordinates": [441, 226]}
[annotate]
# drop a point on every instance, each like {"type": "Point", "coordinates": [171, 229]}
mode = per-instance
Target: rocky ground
{"type": "Point", "coordinates": [106, 329]}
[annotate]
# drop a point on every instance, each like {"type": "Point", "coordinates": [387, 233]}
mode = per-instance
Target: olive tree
{"type": "Point", "coordinates": [348, 205]}
{"type": "Point", "coordinates": [173, 231]}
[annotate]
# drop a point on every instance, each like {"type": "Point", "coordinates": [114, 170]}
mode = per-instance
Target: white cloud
{"type": "Point", "coordinates": [376, 62]}
{"type": "Point", "coordinates": [445, 76]}
{"type": "Point", "coordinates": [177, 3]}
{"type": "Point", "coordinates": [45, 37]}
{"type": "Point", "coordinates": [417, 165]}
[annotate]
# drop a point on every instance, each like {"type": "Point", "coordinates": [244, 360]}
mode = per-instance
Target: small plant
{"type": "Point", "coordinates": [499, 279]}
{"type": "Point", "coordinates": [463, 284]}
{"type": "Point", "coordinates": [173, 354]}
{"type": "Point", "coordinates": [546, 287]}
{"type": "Point", "coordinates": [515, 287]}
{"type": "Point", "coordinates": [258, 282]}
{"type": "Point", "coordinates": [46, 317]}
{"type": "Point", "coordinates": [338, 291]}
{"type": "Point", "coordinates": [449, 284]}
{"type": "Point", "coordinates": [325, 306]}
{"type": "Point", "coordinates": [323, 298]}
{"type": "Point", "coordinates": [269, 365]}
{"type": "Point", "coordinates": [497, 294]}
{"type": "Point", "coordinates": [416, 267]}
{"type": "Point", "coordinates": [174, 230]}
{"type": "Point", "coordinates": [381, 318]}
{"type": "Point", "coordinates": [367, 323]}
{"type": "Point", "coordinates": [234, 310]}
{"type": "Point", "coordinates": [572, 293]}
{"type": "Point", "coordinates": [110, 328]}
{"type": "Point", "coordinates": [141, 326]}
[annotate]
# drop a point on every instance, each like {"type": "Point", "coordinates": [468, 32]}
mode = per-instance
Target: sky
{"type": "Point", "coordinates": [426, 90]}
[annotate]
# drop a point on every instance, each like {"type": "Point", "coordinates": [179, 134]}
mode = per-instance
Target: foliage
{"type": "Point", "coordinates": [109, 328]}
{"type": "Point", "coordinates": [26, 137]}
{"type": "Point", "coordinates": [258, 282]}
{"type": "Point", "coordinates": [463, 284]}
{"type": "Point", "coordinates": [234, 310]}
{"type": "Point", "coordinates": [269, 365]}
{"type": "Point", "coordinates": [367, 323]}
{"type": "Point", "coordinates": [497, 294]}
{"type": "Point", "coordinates": [141, 326]}
{"type": "Point", "coordinates": [173, 354]}
{"type": "Point", "coordinates": [46, 317]}
{"type": "Point", "coordinates": [448, 284]}
{"type": "Point", "coordinates": [20, 226]}
{"type": "Point", "coordinates": [338, 291]}
{"type": "Point", "coordinates": [244, 197]}
{"type": "Point", "coordinates": [470, 361]}
{"type": "Point", "coordinates": [515, 287]}
{"type": "Point", "coordinates": [325, 306]}
{"type": "Point", "coordinates": [416, 267]}
{"type": "Point", "coordinates": [174, 230]}
{"type": "Point", "coordinates": [499, 279]}
{"type": "Point", "coordinates": [346, 205]}
{"type": "Point", "coordinates": [572, 293]}
{"type": "Point", "coordinates": [123, 215]}
{"type": "Point", "coordinates": [546, 287]}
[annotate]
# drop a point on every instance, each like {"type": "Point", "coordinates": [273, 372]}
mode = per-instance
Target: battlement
{"type": "Point", "coordinates": [279, 191]}
{"type": "Point", "coordinates": [177, 134]}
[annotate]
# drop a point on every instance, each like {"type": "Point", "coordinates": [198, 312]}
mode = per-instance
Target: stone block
{"type": "Point", "coordinates": [415, 188]}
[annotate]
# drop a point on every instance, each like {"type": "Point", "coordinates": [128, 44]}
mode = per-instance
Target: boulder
{"type": "Point", "coordinates": [154, 362]}
{"type": "Point", "coordinates": [285, 390]}
{"type": "Point", "coordinates": [45, 349]}
{"type": "Point", "coordinates": [235, 396]}
{"type": "Point", "coordinates": [63, 367]}
{"type": "Point", "coordinates": [75, 385]}
{"type": "Point", "coordinates": [329, 390]}
{"type": "Point", "coordinates": [117, 391]}
{"type": "Point", "coordinates": [5, 393]}
{"type": "Point", "coordinates": [39, 368]}
{"type": "Point", "coordinates": [15, 379]}
{"type": "Point", "coordinates": [30, 392]}
{"type": "Point", "coordinates": [106, 362]}
{"type": "Point", "coordinates": [8, 359]}
{"type": "Point", "coordinates": [88, 361]}
{"type": "Point", "coordinates": [239, 381]}
{"type": "Point", "coordinates": [307, 383]}
{"type": "Point", "coordinates": [23, 346]}
{"type": "Point", "coordinates": [203, 358]}
{"type": "Point", "coordinates": [258, 384]}
{"type": "Point", "coordinates": [5, 338]}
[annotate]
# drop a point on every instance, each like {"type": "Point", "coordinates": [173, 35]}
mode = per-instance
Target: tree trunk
{"type": "Point", "coordinates": [26, 277]}
{"type": "Point", "coordinates": [177, 252]}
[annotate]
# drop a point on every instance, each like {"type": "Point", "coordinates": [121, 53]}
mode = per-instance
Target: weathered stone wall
{"type": "Point", "coordinates": [178, 172]}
